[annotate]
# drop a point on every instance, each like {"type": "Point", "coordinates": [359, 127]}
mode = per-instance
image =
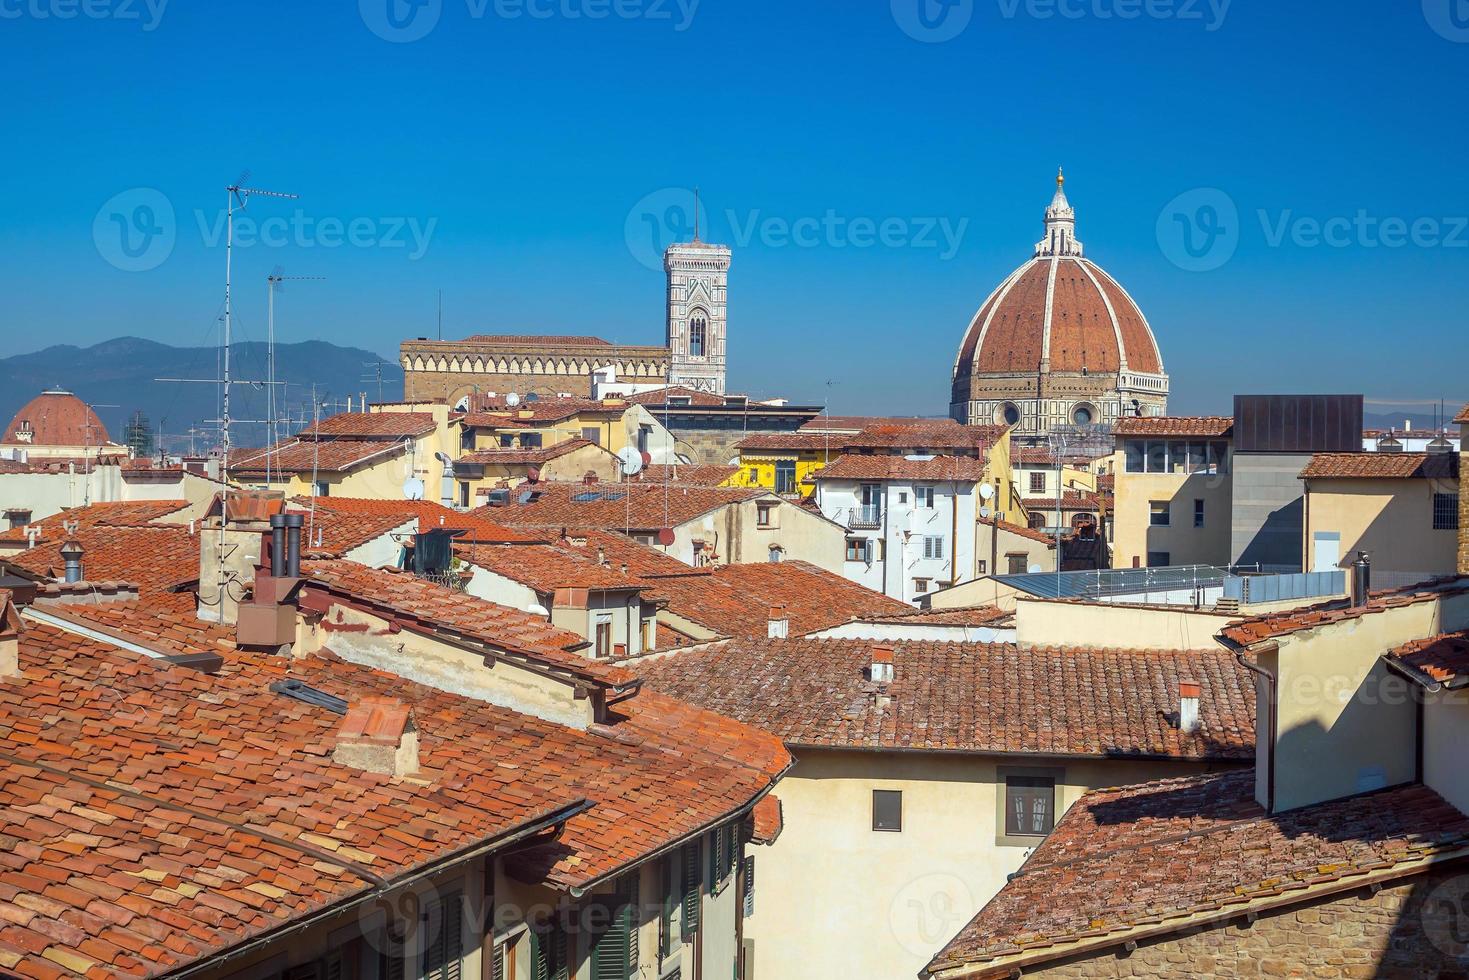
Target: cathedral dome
{"type": "Point", "coordinates": [1059, 328]}
{"type": "Point", "coordinates": [55, 418]}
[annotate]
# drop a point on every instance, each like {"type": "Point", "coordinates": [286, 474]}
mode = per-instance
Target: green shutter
{"type": "Point", "coordinates": [691, 896]}
{"type": "Point", "coordinates": [749, 886]}
{"type": "Point", "coordinates": [634, 917]}
{"type": "Point", "coordinates": [560, 961]}
{"type": "Point", "coordinates": [667, 913]}
{"type": "Point", "coordinates": [613, 950]}
{"type": "Point", "coordinates": [444, 950]}
{"type": "Point", "coordinates": [540, 956]}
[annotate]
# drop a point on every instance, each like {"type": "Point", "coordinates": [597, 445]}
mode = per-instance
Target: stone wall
{"type": "Point", "coordinates": [1415, 929]}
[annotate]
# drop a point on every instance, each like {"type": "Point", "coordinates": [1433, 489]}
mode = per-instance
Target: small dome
{"type": "Point", "coordinates": [55, 418]}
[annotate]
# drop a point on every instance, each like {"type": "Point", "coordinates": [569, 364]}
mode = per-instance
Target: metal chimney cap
{"type": "Point", "coordinates": [72, 548]}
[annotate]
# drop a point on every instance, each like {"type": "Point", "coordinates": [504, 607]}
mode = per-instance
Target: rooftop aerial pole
{"type": "Point", "coordinates": [237, 197]}
{"type": "Point", "coordinates": [272, 433]}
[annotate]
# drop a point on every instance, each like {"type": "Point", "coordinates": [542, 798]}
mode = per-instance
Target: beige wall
{"type": "Point", "coordinates": [1134, 536]}
{"type": "Point", "coordinates": [995, 553]}
{"type": "Point", "coordinates": [1392, 520]}
{"type": "Point", "coordinates": [1445, 733]}
{"type": "Point", "coordinates": [834, 898]}
{"type": "Point", "coordinates": [1044, 622]}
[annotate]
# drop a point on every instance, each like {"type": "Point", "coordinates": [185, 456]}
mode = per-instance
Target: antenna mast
{"type": "Point", "coordinates": [272, 431]}
{"type": "Point", "coordinates": [237, 196]}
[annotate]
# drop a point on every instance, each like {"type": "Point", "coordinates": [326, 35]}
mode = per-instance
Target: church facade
{"type": "Point", "coordinates": [694, 353]}
{"type": "Point", "coordinates": [1059, 343]}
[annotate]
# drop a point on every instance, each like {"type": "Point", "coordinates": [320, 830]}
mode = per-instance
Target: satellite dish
{"type": "Point", "coordinates": [985, 512]}
{"type": "Point", "coordinates": [1035, 569]}
{"type": "Point", "coordinates": [413, 488]}
{"type": "Point", "coordinates": [665, 536]}
{"type": "Point", "coordinates": [986, 491]}
{"type": "Point", "coordinates": [533, 474]}
{"type": "Point", "coordinates": [511, 400]}
{"type": "Point", "coordinates": [631, 459]}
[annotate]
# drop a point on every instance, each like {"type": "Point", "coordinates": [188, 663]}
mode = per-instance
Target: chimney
{"type": "Point", "coordinates": [881, 670]}
{"type": "Point", "coordinates": [71, 553]}
{"type": "Point", "coordinates": [277, 545]}
{"type": "Point", "coordinates": [1188, 706]}
{"type": "Point", "coordinates": [10, 630]}
{"type": "Point", "coordinates": [378, 735]}
{"type": "Point", "coordinates": [1361, 579]}
{"type": "Point", "coordinates": [779, 626]}
{"type": "Point", "coordinates": [590, 478]}
{"type": "Point", "coordinates": [293, 544]}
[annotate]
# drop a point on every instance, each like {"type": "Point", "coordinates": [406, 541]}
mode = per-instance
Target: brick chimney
{"type": "Point", "coordinates": [1189, 693]}
{"type": "Point", "coordinates": [378, 735]}
{"type": "Point", "coordinates": [779, 625]}
{"type": "Point", "coordinates": [10, 630]}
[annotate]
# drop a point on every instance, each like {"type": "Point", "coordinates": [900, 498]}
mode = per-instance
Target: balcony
{"type": "Point", "coordinates": [867, 517]}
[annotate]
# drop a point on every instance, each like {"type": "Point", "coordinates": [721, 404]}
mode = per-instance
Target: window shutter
{"type": "Point", "coordinates": [497, 961]}
{"type": "Point", "coordinates": [331, 967]}
{"type": "Point", "coordinates": [610, 950]}
{"type": "Point", "coordinates": [691, 895]}
{"type": "Point", "coordinates": [669, 876]}
{"type": "Point", "coordinates": [633, 918]}
{"type": "Point", "coordinates": [444, 950]}
{"type": "Point", "coordinates": [560, 961]}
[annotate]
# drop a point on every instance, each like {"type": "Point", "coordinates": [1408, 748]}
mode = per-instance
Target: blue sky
{"type": "Point", "coordinates": [509, 157]}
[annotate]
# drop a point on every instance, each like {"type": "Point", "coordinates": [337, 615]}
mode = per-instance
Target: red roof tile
{"type": "Point", "coordinates": [526, 457]}
{"type": "Point", "coordinates": [735, 600]}
{"type": "Point", "coordinates": [371, 425]}
{"type": "Point", "coordinates": [768, 820]}
{"type": "Point", "coordinates": [852, 424]}
{"type": "Point", "coordinates": [1435, 661]}
{"type": "Point", "coordinates": [931, 436]}
{"type": "Point", "coordinates": [617, 550]}
{"type": "Point", "coordinates": [1463, 417]}
{"type": "Point", "coordinates": [852, 467]}
{"type": "Point", "coordinates": [794, 442]}
{"type": "Point", "coordinates": [1021, 530]}
{"type": "Point", "coordinates": [56, 418]}
{"type": "Point", "coordinates": [477, 529]}
{"type": "Point", "coordinates": [1272, 626]}
{"type": "Point", "coordinates": [659, 396]}
{"type": "Point", "coordinates": [546, 568]}
{"type": "Point", "coordinates": [127, 513]}
{"type": "Point", "coordinates": [969, 697]}
{"type": "Point", "coordinates": [1218, 426]}
{"type": "Point", "coordinates": [1132, 858]}
{"type": "Point", "coordinates": [953, 616]}
{"type": "Point", "coordinates": [1382, 466]}
{"type": "Point", "coordinates": [154, 558]}
{"type": "Point", "coordinates": [618, 506]}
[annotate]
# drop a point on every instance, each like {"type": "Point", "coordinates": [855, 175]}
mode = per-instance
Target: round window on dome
{"type": "Point", "coordinates": [1010, 413]}
{"type": "Point", "coordinates": [1083, 415]}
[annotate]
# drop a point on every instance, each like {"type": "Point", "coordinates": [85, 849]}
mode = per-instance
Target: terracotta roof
{"type": "Point", "coordinates": [332, 534]}
{"type": "Point", "coordinates": [1139, 856]}
{"type": "Point", "coordinates": [1020, 530]}
{"type": "Point", "coordinates": [126, 513]}
{"type": "Point", "coordinates": [56, 418]}
{"type": "Point", "coordinates": [371, 425]}
{"type": "Point", "coordinates": [1463, 417]}
{"type": "Point", "coordinates": [660, 396]}
{"type": "Point", "coordinates": [154, 558]}
{"type": "Point", "coordinates": [539, 339]}
{"type": "Point", "coordinates": [617, 506]}
{"type": "Point", "coordinates": [154, 816]}
{"type": "Point", "coordinates": [735, 600]}
{"type": "Point", "coordinates": [526, 457]}
{"type": "Point", "coordinates": [1272, 626]}
{"type": "Point", "coordinates": [1218, 426]}
{"type": "Point", "coordinates": [694, 474]}
{"type": "Point", "coordinates": [546, 568]}
{"type": "Point", "coordinates": [970, 697]}
{"type": "Point", "coordinates": [794, 441]}
{"type": "Point", "coordinates": [167, 622]}
{"type": "Point", "coordinates": [485, 410]}
{"type": "Point", "coordinates": [438, 609]}
{"type": "Point", "coordinates": [852, 424]}
{"type": "Point", "coordinates": [618, 550]}
{"type": "Point", "coordinates": [1382, 466]}
{"type": "Point", "coordinates": [1435, 661]}
{"type": "Point", "coordinates": [332, 456]}
{"type": "Point", "coordinates": [853, 467]}
{"type": "Point", "coordinates": [768, 820]}
{"type": "Point", "coordinates": [953, 616]}
{"type": "Point", "coordinates": [477, 529]}
{"type": "Point", "coordinates": [931, 436]}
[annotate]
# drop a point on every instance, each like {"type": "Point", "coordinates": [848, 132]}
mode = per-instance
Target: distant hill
{"type": "Point", "coordinates": [117, 377]}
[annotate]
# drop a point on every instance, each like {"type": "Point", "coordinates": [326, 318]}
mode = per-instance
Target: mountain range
{"type": "Point", "coordinates": [119, 377]}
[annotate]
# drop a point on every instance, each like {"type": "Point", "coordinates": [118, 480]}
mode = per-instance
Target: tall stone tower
{"type": "Point", "coordinates": [698, 280]}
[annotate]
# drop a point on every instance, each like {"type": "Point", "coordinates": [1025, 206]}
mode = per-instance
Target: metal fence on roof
{"type": "Point", "coordinates": [1145, 583]}
{"type": "Point", "coordinates": [1274, 588]}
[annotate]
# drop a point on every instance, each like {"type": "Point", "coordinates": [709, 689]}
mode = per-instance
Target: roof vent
{"type": "Point", "coordinates": [881, 669]}
{"type": "Point", "coordinates": [302, 692]}
{"type": "Point", "coordinates": [1189, 693]}
{"type": "Point", "coordinates": [71, 553]}
{"type": "Point", "coordinates": [378, 735]}
{"type": "Point", "coordinates": [779, 626]}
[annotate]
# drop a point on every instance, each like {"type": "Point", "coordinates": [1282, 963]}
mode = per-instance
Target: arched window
{"type": "Point", "coordinates": [698, 333]}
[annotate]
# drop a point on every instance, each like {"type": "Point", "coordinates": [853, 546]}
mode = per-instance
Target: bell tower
{"type": "Point", "coordinates": [698, 281]}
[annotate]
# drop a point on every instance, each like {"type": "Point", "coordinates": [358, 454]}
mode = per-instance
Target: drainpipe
{"type": "Point", "coordinates": [1271, 721]}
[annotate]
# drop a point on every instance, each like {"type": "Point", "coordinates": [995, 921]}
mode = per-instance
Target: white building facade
{"type": "Point", "coordinates": [698, 314]}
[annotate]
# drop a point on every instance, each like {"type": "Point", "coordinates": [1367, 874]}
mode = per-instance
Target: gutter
{"type": "Point", "coordinates": [580, 891]}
